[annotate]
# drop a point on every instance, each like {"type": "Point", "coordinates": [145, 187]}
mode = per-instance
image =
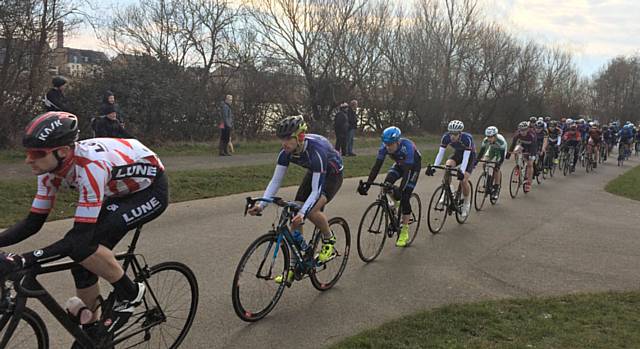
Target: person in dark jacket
{"type": "Point", "coordinates": [225, 125]}
{"type": "Point", "coordinates": [341, 127]}
{"type": "Point", "coordinates": [108, 101]}
{"type": "Point", "coordinates": [55, 100]}
{"type": "Point", "coordinates": [353, 126]}
{"type": "Point", "coordinates": [108, 125]}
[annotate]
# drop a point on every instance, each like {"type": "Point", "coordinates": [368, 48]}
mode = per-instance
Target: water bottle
{"type": "Point", "coordinates": [299, 240]}
{"type": "Point", "coordinates": [76, 307]}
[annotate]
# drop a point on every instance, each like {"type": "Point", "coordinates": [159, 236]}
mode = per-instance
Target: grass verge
{"type": "Point", "coordinates": [607, 320]}
{"type": "Point", "coordinates": [627, 184]}
{"type": "Point", "coordinates": [16, 195]}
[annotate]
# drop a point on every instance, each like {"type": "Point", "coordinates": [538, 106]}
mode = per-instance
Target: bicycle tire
{"type": "Point", "coordinates": [380, 231]}
{"type": "Point", "coordinates": [239, 305]}
{"type": "Point", "coordinates": [459, 218]}
{"type": "Point", "coordinates": [497, 196]}
{"type": "Point", "coordinates": [22, 334]}
{"type": "Point", "coordinates": [481, 192]}
{"type": "Point", "coordinates": [414, 224]}
{"type": "Point", "coordinates": [514, 181]}
{"type": "Point", "coordinates": [323, 285]}
{"type": "Point", "coordinates": [435, 211]}
{"type": "Point", "coordinates": [161, 290]}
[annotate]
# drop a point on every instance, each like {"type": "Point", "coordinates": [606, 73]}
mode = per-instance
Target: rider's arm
{"type": "Point", "coordinates": [382, 152]}
{"type": "Point", "coordinates": [514, 141]}
{"type": "Point", "coordinates": [439, 156]}
{"type": "Point", "coordinates": [23, 229]}
{"type": "Point", "coordinates": [408, 163]}
{"type": "Point", "coordinates": [318, 161]}
{"type": "Point", "coordinates": [274, 184]}
{"type": "Point", "coordinates": [465, 160]}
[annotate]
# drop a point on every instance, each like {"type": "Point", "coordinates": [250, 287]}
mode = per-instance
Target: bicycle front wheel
{"type": "Point", "coordinates": [482, 190]}
{"type": "Point", "coordinates": [372, 232]}
{"type": "Point", "coordinates": [416, 217]}
{"type": "Point", "coordinates": [438, 210]}
{"type": "Point", "coordinates": [324, 276]}
{"type": "Point", "coordinates": [29, 333]}
{"type": "Point", "coordinates": [168, 309]}
{"type": "Point", "coordinates": [515, 181]}
{"type": "Point", "coordinates": [255, 292]}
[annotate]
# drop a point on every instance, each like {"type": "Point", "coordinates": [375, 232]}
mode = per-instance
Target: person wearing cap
{"type": "Point", "coordinates": [341, 127]}
{"type": "Point", "coordinates": [108, 124]}
{"type": "Point", "coordinates": [55, 100]}
{"type": "Point", "coordinates": [109, 101]}
{"type": "Point", "coordinates": [353, 126]}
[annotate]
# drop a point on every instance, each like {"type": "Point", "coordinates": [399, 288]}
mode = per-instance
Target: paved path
{"type": "Point", "coordinates": [566, 236]}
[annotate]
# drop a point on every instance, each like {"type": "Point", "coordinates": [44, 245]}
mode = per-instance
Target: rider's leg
{"type": "Point", "coordinates": [319, 218]}
{"type": "Point", "coordinates": [529, 169]}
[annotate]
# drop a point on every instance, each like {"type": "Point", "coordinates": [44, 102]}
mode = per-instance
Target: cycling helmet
{"type": "Point", "coordinates": [391, 135]}
{"type": "Point", "coordinates": [50, 130]}
{"type": "Point", "coordinates": [581, 121]}
{"type": "Point", "coordinates": [563, 119]}
{"type": "Point", "coordinates": [533, 119]}
{"type": "Point", "coordinates": [592, 124]}
{"type": "Point", "coordinates": [553, 124]}
{"type": "Point", "coordinates": [540, 124]}
{"type": "Point", "coordinates": [547, 119]}
{"type": "Point", "coordinates": [291, 126]}
{"type": "Point", "coordinates": [455, 126]}
{"type": "Point", "coordinates": [58, 81]}
{"type": "Point", "coordinates": [523, 125]}
{"type": "Point", "coordinates": [491, 131]}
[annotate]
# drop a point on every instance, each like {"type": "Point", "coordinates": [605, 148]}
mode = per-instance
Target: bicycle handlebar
{"type": "Point", "coordinates": [251, 202]}
{"type": "Point", "coordinates": [383, 184]}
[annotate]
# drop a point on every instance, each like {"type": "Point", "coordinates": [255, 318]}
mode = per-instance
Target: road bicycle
{"type": "Point", "coordinates": [485, 187]}
{"type": "Point", "coordinates": [568, 156]}
{"type": "Point", "coordinates": [162, 320]}
{"type": "Point", "coordinates": [590, 161]}
{"type": "Point", "coordinates": [381, 220]}
{"type": "Point", "coordinates": [549, 163]}
{"type": "Point", "coordinates": [272, 256]}
{"type": "Point", "coordinates": [518, 176]}
{"type": "Point", "coordinates": [444, 202]}
{"type": "Point", "coordinates": [604, 151]}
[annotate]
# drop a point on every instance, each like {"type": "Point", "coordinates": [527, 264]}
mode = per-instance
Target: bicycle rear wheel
{"type": "Point", "coordinates": [29, 333]}
{"type": "Point", "coordinates": [168, 308]}
{"type": "Point", "coordinates": [372, 232]}
{"type": "Point", "coordinates": [254, 292]}
{"type": "Point", "coordinates": [416, 217]}
{"type": "Point", "coordinates": [437, 213]}
{"type": "Point", "coordinates": [515, 181]}
{"type": "Point", "coordinates": [482, 190]}
{"type": "Point", "coordinates": [324, 276]}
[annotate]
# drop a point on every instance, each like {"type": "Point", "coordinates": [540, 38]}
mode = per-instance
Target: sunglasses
{"type": "Point", "coordinates": [39, 153]}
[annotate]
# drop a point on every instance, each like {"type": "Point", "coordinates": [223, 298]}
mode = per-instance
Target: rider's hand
{"type": "Point", "coordinates": [10, 262]}
{"type": "Point", "coordinates": [255, 210]}
{"type": "Point", "coordinates": [460, 175]}
{"type": "Point", "coordinates": [508, 156]}
{"type": "Point", "coordinates": [430, 171]}
{"type": "Point", "coordinates": [363, 188]}
{"type": "Point", "coordinates": [297, 219]}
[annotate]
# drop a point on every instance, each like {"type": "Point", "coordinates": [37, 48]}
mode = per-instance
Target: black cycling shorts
{"type": "Point", "coordinates": [332, 184]}
{"type": "Point", "coordinates": [459, 155]}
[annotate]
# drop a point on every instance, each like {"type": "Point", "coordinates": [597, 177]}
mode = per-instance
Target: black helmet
{"type": "Point", "coordinates": [50, 130]}
{"type": "Point", "coordinates": [58, 81]}
{"type": "Point", "coordinates": [291, 126]}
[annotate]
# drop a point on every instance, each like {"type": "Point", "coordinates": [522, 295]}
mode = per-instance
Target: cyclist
{"type": "Point", "coordinates": [532, 123]}
{"type": "Point", "coordinates": [464, 155]}
{"type": "Point", "coordinates": [555, 138]}
{"type": "Point", "coordinates": [121, 186]}
{"type": "Point", "coordinates": [320, 184]}
{"type": "Point", "coordinates": [595, 140]}
{"type": "Point", "coordinates": [493, 148]}
{"type": "Point", "coordinates": [626, 138]}
{"type": "Point", "coordinates": [542, 140]}
{"type": "Point", "coordinates": [572, 138]}
{"type": "Point", "coordinates": [525, 141]}
{"type": "Point", "coordinates": [407, 166]}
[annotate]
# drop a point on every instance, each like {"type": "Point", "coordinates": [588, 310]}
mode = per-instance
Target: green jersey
{"type": "Point", "coordinates": [493, 151]}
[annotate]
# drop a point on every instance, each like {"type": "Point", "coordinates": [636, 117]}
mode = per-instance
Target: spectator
{"type": "Point", "coordinates": [225, 125]}
{"type": "Point", "coordinates": [108, 101]}
{"type": "Point", "coordinates": [55, 100]}
{"type": "Point", "coordinates": [353, 126]}
{"type": "Point", "coordinates": [108, 125]}
{"type": "Point", "coordinates": [341, 127]}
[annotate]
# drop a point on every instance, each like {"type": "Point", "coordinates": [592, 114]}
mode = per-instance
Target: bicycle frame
{"type": "Point", "coordinates": [446, 182]}
{"type": "Point", "coordinates": [26, 286]}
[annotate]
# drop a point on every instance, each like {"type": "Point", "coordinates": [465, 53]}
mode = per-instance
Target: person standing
{"type": "Point", "coordinates": [109, 102]}
{"type": "Point", "coordinates": [108, 124]}
{"type": "Point", "coordinates": [353, 126]}
{"type": "Point", "coordinates": [341, 127]}
{"type": "Point", "coordinates": [225, 125]}
{"type": "Point", "coordinates": [55, 100]}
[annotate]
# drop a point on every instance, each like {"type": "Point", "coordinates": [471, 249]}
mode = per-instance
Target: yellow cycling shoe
{"type": "Point", "coordinates": [328, 251]}
{"type": "Point", "coordinates": [403, 237]}
{"type": "Point", "coordinates": [278, 279]}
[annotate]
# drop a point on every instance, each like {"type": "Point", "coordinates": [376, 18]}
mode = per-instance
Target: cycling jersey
{"type": "Point", "coordinates": [319, 157]}
{"type": "Point", "coordinates": [584, 130]}
{"type": "Point", "coordinates": [464, 150]}
{"type": "Point", "coordinates": [555, 135]}
{"type": "Point", "coordinates": [493, 150]}
{"type": "Point", "coordinates": [540, 136]}
{"type": "Point", "coordinates": [572, 135]}
{"type": "Point", "coordinates": [595, 135]}
{"type": "Point", "coordinates": [626, 134]}
{"type": "Point", "coordinates": [406, 154]}
{"type": "Point", "coordinates": [528, 141]}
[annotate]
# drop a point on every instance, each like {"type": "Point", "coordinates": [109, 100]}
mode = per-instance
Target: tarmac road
{"type": "Point", "coordinates": [568, 235]}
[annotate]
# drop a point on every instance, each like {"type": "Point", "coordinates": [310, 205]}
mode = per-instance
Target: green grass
{"type": "Point", "coordinates": [607, 320]}
{"type": "Point", "coordinates": [11, 156]}
{"type": "Point", "coordinates": [627, 184]}
{"type": "Point", "coordinates": [184, 185]}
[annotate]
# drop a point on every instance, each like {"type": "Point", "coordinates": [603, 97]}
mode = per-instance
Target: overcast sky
{"type": "Point", "coordinates": [593, 30]}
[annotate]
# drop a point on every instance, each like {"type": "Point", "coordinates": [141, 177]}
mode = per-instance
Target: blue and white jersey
{"type": "Point", "coordinates": [317, 155]}
{"type": "Point", "coordinates": [407, 153]}
{"type": "Point", "coordinates": [465, 142]}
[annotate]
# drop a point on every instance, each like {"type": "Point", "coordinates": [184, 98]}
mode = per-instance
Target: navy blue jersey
{"type": "Point", "coordinates": [465, 142]}
{"type": "Point", "coordinates": [317, 155]}
{"type": "Point", "coordinates": [406, 154]}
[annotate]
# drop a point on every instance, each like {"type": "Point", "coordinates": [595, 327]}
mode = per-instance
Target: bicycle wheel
{"type": "Point", "coordinates": [494, 199]}
{"type": "Point", "coordinates": [372, 232]}
{"type": "Point", "coordinates": [416, 217]}
{"type": "Point", "coordinates": [589, 163]}
{"type": "Point", "coordinates": [168, 308]}
{"type": "Point", "coordinates": [514, 181]}
{"type": "Point", "coordinates": [437, 213]}
{"type": "Point", "coordinates": [254, 292]}
{"type": "Point", "coordinates": [482, 190]}
{"type": "Point", "coordinates": [459, 218]}
{"type": "Point", "coordinates": [325, 275]}
{"type": "Point", "coordinates": [29, 333]}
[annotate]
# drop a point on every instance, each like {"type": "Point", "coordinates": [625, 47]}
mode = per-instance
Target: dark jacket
{"type": "Point", "coordinates": [105, 127]}
{"type": "Point", "coordinates": [227, 115]}
{"type": "Point", "coordinates": [105, 108]}
{"type": "Point", "coordinates": [55, 100]}
{"type": "Point", "coordinates": [353, 119]}
{"type": "Point", "coordinates": [341, 123]}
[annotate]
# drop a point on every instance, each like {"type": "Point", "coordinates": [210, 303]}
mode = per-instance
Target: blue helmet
{"type": "Point", "coordinates": [391, 135]}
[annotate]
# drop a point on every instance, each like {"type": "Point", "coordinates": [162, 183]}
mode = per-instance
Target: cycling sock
{"type": "Point", "coordinates": [125, 288]}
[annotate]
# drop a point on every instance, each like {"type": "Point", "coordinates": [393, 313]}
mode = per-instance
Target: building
{"type": "Point", "coordinates": [72, 61]}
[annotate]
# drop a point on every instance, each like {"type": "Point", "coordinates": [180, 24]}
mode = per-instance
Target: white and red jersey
{"type": "Point", "coordinates": [101, 167]}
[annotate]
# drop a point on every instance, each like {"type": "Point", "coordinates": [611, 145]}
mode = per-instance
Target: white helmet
{"type": "Point", "coordinates": [455, 126]}
{"type": "Point", "coordinates": [569, 121]}
{"type": "Point", "coordinates": [491, 131]}
{"type": "Point", "coordinates": [523, 125]}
